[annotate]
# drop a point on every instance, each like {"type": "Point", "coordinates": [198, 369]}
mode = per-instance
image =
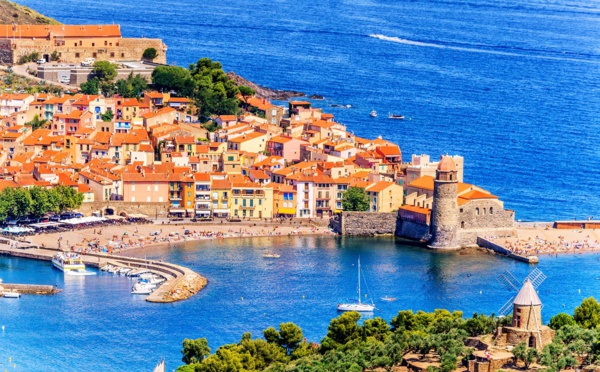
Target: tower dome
{"type": "Point", "coordinates": [446, 164]}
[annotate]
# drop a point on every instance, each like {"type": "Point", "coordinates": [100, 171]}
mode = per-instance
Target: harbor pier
{"type": "Point", "coordinates": [181, 283]}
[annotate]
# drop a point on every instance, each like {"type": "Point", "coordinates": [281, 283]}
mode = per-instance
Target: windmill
{"type": "Point", "coordinates": [525, 302]}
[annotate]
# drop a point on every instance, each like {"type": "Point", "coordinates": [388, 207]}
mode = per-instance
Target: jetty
{"type": "Point", "coordinates": [28, 288]}
{"type": "Point", "coordinates": [181, 283]}
{"type": "Point", "coordinates": [488, 244]}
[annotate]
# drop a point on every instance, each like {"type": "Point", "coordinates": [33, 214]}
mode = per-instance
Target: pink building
{"type": "Point", "coordinates": [286, 147]}
{"type": "Point", "coordinates": [145, 187]}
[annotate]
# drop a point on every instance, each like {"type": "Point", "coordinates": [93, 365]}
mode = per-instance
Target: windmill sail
{"type": "Point", "coordinates": [160, 367]}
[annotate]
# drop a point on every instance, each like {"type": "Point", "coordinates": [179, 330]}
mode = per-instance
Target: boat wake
{"type": "Point", "coordinates": [487, 51]}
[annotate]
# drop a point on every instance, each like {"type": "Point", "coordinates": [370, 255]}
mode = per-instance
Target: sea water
{"type": "Point", "coordinates": [512, 85]}
{"type": "Point", "coordinates": [95, 323]}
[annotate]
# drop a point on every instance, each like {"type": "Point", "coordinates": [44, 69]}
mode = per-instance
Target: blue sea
{"type": "Point", "coordinates": [512, 85]}
{"type": "Point", "coordinates": [95, 324]}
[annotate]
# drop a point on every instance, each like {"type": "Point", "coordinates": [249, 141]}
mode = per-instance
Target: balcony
{"type": "Point", "coordinates": [202, 197]}
{"type": "Point", "coordinates": [201, 207]}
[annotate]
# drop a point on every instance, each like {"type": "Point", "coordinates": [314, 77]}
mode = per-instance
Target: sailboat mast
{"type": "Point", "coordinates": [359, 280]}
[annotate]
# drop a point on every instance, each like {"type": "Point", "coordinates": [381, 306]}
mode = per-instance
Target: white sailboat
{"type": "Point", "coordinates": [357, 306]}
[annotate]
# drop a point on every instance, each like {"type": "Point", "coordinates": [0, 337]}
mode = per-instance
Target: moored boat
{"type": "Point", "coordinates": [357, 306]}
{"type": "Point", "coordinates": [373, 114]}
{"type": "Point", "coordinates": [395, 116]}
{"type": "Point", "coordinates": [11, 294]}
{"type": "Point", "coordinates": [142, 289]}
{"type": "Point", "coordinates": [271, 255]}
{"type": "Point", "coordinates": [69, 263]}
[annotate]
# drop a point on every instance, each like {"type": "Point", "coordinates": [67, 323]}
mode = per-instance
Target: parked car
{"type": "Point", "coordinates": [41, 61]}
{"type": "Point", "coordinates": [88, 62]}
{"type": "Point", "coordinates": [55, 218]}
{"type": "Point", "coordinates": [64, 80]}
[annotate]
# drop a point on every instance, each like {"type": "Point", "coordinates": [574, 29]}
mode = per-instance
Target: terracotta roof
{"type": "Point", "coordinates": [389, 150]}
{"type": "Point", "coordinates": [416, 209]}
{"type": "Point", "coordinates": [162, 111]}
{"type": "Point", "coordinates": [154, 94]}
{"type": "Point", "coordinates": [476, 194]}
{"type": "Point", "coordinates": [66, 31]}
{"type": "Point", "coordinates": [304, 103]}
{"type": "Point", "coordinates": [148, 177]}
{"type": "Point", "coordinates": [247, 137]}
{"type": "Point", "coordinates": [228, 117]}
{"type": "Point", "coordinates": [446, 164]}
{"type": "Point", "coordinates": [202, 177]}
{"type": "Point", "coordinates": [424, 182]}
{"type": "Point", "coordinates": [379, 186]}
{"type": "Point", "coordinates": [221, 185]}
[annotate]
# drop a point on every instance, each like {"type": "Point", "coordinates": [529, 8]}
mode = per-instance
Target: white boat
{"type": "Point", "coordinates": [11, 294]}
{"type": "Point", "coordinates": [357, 306]}
{"type": "Point", "coordinates": [395, 116]}
{"type": "Point", "coordinates": [70, 263]}
{"type": "Point", "coordinates": [141, 289]}
{"type": "Point", "coordinates": [271, 255]}
{"type": "Point", "coordinates": [373, 114]}
{"type": "Point", "coordinates": [388, 299]}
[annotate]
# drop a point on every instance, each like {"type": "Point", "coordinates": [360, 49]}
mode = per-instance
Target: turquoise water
{"type": "Point", "coordinates": [96, 324]}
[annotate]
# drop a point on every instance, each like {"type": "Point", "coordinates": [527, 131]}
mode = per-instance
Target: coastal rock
{"type": "Point", "coordinates": [316, 96]}
{"type": "Point", "coordinates": [264, 92]}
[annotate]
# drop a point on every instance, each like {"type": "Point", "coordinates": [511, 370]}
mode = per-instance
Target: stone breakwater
{"type": "Point", "coordinates": [364, 223]}
{"type": "Point", "coordinates": [181, 283]}
{"type": "Point", "coordinates": [28, 288]}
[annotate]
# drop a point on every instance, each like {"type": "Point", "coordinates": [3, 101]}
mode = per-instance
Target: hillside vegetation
{"type": "Point", "coordinates": [15, 13]}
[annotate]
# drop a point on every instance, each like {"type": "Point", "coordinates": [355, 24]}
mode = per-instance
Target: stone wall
{"type": "Point", "coordinates": [484, 214]}
{"type": "Point", "coordinates": [127, 49]}
{"type": "Point", "coordinates": [121, 208]}
{"type": "Point", "coordinates": [444, 222]}
{"type": "Point", "coordinates": [485, 243]}
{"type": "Point", "coordinates": [412, 230]}
{"type": "Point", "coordinates": [364, 223]}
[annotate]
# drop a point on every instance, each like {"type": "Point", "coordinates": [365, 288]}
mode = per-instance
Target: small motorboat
{"type": "Point", "coordinates": [395, 116]}
{"type": "Point", "coordinates": [389, 299]}
{"type": "Point", "coordinates": [373, 114]}
{"type": "Point", "coordinates": [271, 255]}
{"type": "Point", "coordinates": [11, 294]}
{"type": "Point", "coordinates": [141, 289]}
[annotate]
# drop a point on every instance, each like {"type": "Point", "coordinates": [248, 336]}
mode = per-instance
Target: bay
{"type": "Point", "coordinates": [96, 324]}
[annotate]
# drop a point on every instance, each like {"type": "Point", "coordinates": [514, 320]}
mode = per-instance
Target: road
{"type": "Point", "coordinates": [21, 70]}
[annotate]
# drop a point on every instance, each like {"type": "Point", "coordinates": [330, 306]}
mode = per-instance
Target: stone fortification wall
{"type": "Point", "coordinates": [485, 243]}
{"type": "Point", "coordinates": [126, 208]}
{"type": "Point", "coordinates": [364, 223]}
{"type": "Point", "coordinates": [412, 230]}
{"type": "Point", "coordinates": [444, 222]}
{"type": "Point", "coordinates": [128, 49]}
{"type": "Point", "coordinates": [485, 214]}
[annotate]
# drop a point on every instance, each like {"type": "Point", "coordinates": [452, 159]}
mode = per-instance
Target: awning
{"type": "Point", "coordinates": [286, 211]}
{"type": "Point", "coordinates": [45, 224]}
{"type": "Point", "coordinates": [176, 210]}
{"type": "Point", "coordinates": [80, 220]}
{"type": "Point", "coordinates": [190, 210]}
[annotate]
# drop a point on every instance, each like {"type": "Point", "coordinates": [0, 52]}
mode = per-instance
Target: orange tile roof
{"type": "Point", "coordinates": [162, 111]}
{"type": "Point", "coordinates": [228, 117]}
{"type": "Point", "coordinates": [202, 177]}
{"type": "Point", "coordinates": [379, 186]}
{"type": "Point", "coordinates": [424, 182]}
{"type": "Point", "coordinates": [220, 185]}
{"type": "Point", "coordinates": [66, 31]}
{"type": "Point", "coordinates": [476, 194]}
{"type": "Point", "coordinates": [247, 137]}
{"type": "Point", "coordinates": [153, 94]}
{"type": "Point", "coordinates": [148, 177]}
{"type": "Point", "coordinates": [389, 150]}
{"type": "Point", "coordinates": [416, 209]}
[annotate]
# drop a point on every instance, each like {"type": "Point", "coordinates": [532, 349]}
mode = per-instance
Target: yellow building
{"type": "Point", "coordinates": [232, 163]}
{"type": "Point", "coordinates": [384, 196]}
{"type": "Point", "coordinates": [220, 193]}
{"type": "Point", "coordinates": [251, 142]}
{"type": "Point", "coordinates": [284, 200]}
{"type": "Point", "coordinates": [251, 200]}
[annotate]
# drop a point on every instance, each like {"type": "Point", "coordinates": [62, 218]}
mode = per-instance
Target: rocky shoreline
{"type": "Point", "coordinates": [264, 92]}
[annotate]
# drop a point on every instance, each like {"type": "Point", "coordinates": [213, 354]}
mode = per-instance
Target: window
{"type": "Point", "coordinates": [93, 44]}
{"type": "Point", "coordinates": [147, 199]}
{"type": "Point", "coordinates": [462, 224]}
{"type": "Point", "coordinates": [461, 210]}
{"type": "Point", "coordinates": [477, 211]}
{"type": "Point", "coordinates": [112, 54]}
{"type": "Point", "coordinates": [235, 202]}
{"type": "Point", "coordinates": [491, 210]}
{"type": "Point", "coordinates": [76, 54]}
{"type": "Point", "coordinates": [148, 187]}
{"type": "Point", "coordinates": [122, 55]}
{"type": "Point", "coordinates": [260, 202]}
{"type": "Point", "coordinates": [484, 211]}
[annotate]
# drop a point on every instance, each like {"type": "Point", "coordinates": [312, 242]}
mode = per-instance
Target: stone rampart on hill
{"type": "Point", "coordinates": [364, 223]}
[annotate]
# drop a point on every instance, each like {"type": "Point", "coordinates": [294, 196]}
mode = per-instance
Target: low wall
{"type": "Point", "coordinates": [482, 242]}
{"type": "Point", "coordinates": [412, 230]}
{"type": "Point", "coordinates": [152, 210]}
{"type": "Point", "coordinates": [364, 223]}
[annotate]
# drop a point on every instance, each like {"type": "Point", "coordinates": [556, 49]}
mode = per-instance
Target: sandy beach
{"type": "Point", "coordinates": [541, 238]}
{"type": "Point", "coordinates": [119, 238]}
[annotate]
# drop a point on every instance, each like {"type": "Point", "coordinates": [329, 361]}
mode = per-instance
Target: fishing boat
{"type": "Point", "coordinates": [357, 306]}
{"type": "Point", "coordinates": [395, 116]}
{"type": "Point", "coordinates": [373, 114]}
{"type": "Point", "coordinates": [271, 255]}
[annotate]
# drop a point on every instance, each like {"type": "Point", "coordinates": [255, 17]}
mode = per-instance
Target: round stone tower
{"type": "Point", "coordinates": [444, 214]}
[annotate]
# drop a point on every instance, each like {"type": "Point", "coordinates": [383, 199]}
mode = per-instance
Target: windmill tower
{"type": "Point", "coordinates": [527, 312]}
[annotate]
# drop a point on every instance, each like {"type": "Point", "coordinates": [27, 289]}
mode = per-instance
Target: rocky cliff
{"type": "Point", "coordinates": [263, 92]}
{"type": "Point", "coordinates": [15, 13]}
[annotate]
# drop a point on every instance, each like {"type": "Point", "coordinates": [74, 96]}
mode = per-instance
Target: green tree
{"type": "Point", "coordinates": [290, 336]}
{"type": "Point", "coordinates": [525, 354]}
{"type": "Point", "coordinates": [341, 330]}
{"type": "Point", "coordinates": [587, 315]}
{"type": "Point", "coordinates": [195, 351]}
{"type": "Point", "coordinates": [561, 320]}
{"type": "Point", "coordinates": [105, 71]}
{"type": "Point", "coordinates": [355, 199]}
{"type": "Point", "coordinates": [91, 86]}
{"type": "Point", "coordinates": [55, 56]}
{"type": "Point", "coordinates": [36, 122]}
{"type": "Point", "coordinates": [173, 78]}
{"type": "Point", "coordinates": [67, 198]}
{"type": "Point", "coordinates": [131, 87]}
{"type": "Point", "coordinates": [107, 116]}
{"type": "Point", "coordinates": [43, 201]}
{"type": "Point", "coordinates": [215, 93]}
{"type": "Point", "coordinates": [149, 54]}
{"type": "Point", "coordinates": [246, 92]}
